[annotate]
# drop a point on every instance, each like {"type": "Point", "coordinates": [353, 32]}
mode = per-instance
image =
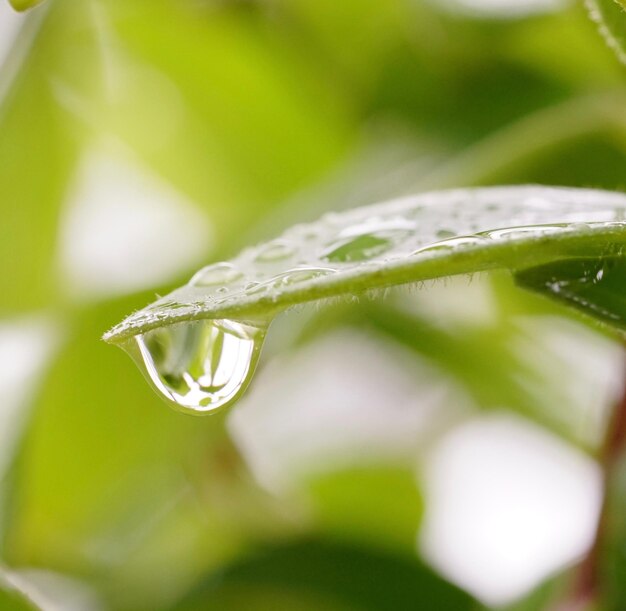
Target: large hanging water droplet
{"type": "Point", "coordinates": [199, 366]}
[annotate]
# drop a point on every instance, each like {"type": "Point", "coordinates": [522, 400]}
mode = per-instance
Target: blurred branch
{"type": "Point", "coordinates": [532, 134]}
{"type": "Point", "coordinates": [588, 588]}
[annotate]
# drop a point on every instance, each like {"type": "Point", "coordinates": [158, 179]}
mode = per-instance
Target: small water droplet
{"type": "Point", "coordinates": [361, 248]}
{"type": "Point", "coordinates": [463, 241]}
{"type": "Point", "coordinates": [302, 274]}
{"type": "Point", "coordinates": [218, 273]}
{"type": "Point", "coordinates": [370, 238]}
{"type": "Point", "coordinates": [199, 366]}
{"type": "Point", "coordinates": [523, 231]}
{"type": "Point", "coordinates": [274, 251]}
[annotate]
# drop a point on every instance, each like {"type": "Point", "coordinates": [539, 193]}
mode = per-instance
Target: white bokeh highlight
{"type": "Point", "coordinates": [124, 229]}
{"type": "Point", "coordinates": [507, 504]}
{"type": "Point", "coordinates": [347, 398]}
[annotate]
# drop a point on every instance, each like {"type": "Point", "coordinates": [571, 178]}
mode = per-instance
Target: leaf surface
{"type": "Point", "coordinates": [402, 241]}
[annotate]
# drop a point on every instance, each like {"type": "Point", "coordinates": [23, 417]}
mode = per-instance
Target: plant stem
{"type": "Point", "coordinates": [587, 585]}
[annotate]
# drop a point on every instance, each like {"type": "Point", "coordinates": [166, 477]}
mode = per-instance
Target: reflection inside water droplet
{"type": "Point", "coordinates": [202, 365]}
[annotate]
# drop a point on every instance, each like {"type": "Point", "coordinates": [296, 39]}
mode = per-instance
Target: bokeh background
{"type": "Point", "coordinates": [437, 448]}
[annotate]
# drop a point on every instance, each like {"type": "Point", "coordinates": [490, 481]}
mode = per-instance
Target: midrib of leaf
{"type": "Point", "coordinates": [591, 226]}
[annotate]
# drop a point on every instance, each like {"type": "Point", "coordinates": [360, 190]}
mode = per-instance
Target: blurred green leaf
{"type": "Point", "coordinates": [338, 576]}
{"type": "Point", "coordinates": [266, 119]}
{"type": "Point", "coordinates": [597, 287]}
{"type": "Point", "coordinates": [377, 504]}
{"type": "Point", "coordinates": [37, 156]}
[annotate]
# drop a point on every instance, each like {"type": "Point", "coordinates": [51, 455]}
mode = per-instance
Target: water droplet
{"type": "Point", "coordinates": [523, 231]}
{"type": "Point", "coordinates": [199, 366]}
{"type": "Point", "coordinates": [463, 241]}
{"type": "Point", "coordinates": [370, 238]}
{"type": "Point", "coordinates": [275, 251]}
{"type": "Point", "coordinates": [218, 273]}
{"type": "Point", "coordinates": [445, 233]}
{"type": "Point", "coordinates": [301, 274]}
{"type": "Point", "coordinates": [361, 248]}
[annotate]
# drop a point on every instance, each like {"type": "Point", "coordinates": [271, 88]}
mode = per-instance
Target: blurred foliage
{"type": "Point", "coordinates": [343, 577]}
{"type": "Point", "coordinates": [261, 113]}
{"type": "Point", "coordinates": [587, 284]}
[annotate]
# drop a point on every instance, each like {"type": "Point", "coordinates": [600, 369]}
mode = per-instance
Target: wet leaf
{"type": "Point", "coordinates": [402, 241]}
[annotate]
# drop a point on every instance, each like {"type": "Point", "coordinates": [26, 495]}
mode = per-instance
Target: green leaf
{"type": "Point", "coordinates": [326, 576]}
{"type": "Point", "coordinates": [610, 15]}
{"type": "Point", "coordinates": [376, 503]}
{"type": "Point", "coordinates": [402, 241]}
{"type": "Point", "coordinates": [594, 286]}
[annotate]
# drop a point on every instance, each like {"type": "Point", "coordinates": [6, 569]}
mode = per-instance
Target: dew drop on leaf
{"type": "Point", "coordinates": [515, 232]}
{"type": "Point", "coordinates": [360, 248]}
{"type": "Point", "coordinates": [368, 239]}
{"type": "Point", "coordinates": [202, 365]}
{"type": "Point", "coordinates": [219, 273]}
{"type": "Point", "coordinates": [275, 251]}
{"type": "Point", "coordinates": [451, 244]}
